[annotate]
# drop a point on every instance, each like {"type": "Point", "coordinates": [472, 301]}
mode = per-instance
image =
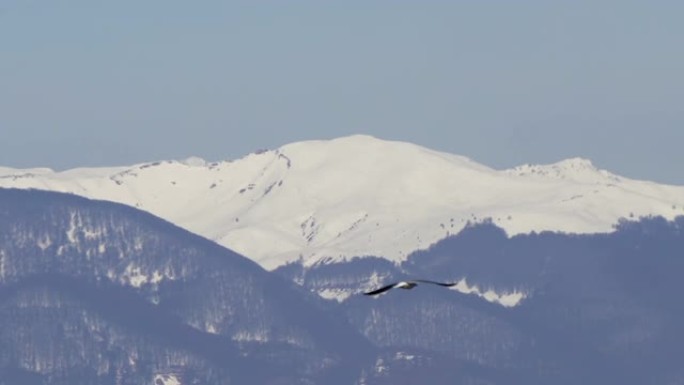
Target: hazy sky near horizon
{"type": "Point", "coordinates": [86, 83]}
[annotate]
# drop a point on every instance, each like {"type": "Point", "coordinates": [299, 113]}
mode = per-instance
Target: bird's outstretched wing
{"type": "Point", "coordinates": [445, 284]}
{"type": "Point", "coordinates": [380, 290]}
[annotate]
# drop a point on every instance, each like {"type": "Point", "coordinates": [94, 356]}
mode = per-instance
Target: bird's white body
{"type": "Point", "coordinates": [407, 285]}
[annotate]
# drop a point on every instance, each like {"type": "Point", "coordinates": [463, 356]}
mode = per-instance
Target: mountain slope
{"type": "Point", "coordinates": [95, 292]}
{"type": "Point", "coordinates": [320, 201]}
{"type": "Point", "coordinates": [105, 285]}
{"type": "Point", "coordinates": [599, 308]}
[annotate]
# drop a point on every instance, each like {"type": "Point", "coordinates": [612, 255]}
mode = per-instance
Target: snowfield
{"type": "Point", "coordinates": [327, 201]}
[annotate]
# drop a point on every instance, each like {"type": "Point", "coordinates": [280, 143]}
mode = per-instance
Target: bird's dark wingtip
{"type": "Point", "coordinates": [379, 291]}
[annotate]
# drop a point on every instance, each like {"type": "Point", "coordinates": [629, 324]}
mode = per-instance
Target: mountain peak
{"type": "Point", "coordinates": [370, 154]}
{"type": "Point", "coordinates": [577, 169]}
{"type": "Point", "coordinates": [575, 163]}
{"type": "Point", "coordinates": [357, 138]}
{"type": "Point", "coordinates": [329, 200]}
{"type": "Point", "coordinates": [194, 161]}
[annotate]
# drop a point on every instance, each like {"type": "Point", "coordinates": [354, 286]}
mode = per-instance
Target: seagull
{"type": "Point", "coordinates": [407, 285]}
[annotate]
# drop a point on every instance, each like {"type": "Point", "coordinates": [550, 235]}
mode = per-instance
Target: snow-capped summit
{"type": "Point", "coordinates": [327, 200]}
{"type": "Point", "coordinates": [194, 161]}
{"type": "Point", "coordinates": [577, 169]}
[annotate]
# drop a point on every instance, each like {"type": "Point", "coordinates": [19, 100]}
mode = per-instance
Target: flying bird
{"type": "Point", "coordinates": [407, 285]}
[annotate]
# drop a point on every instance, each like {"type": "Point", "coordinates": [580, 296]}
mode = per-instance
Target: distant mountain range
{"type": "Point", "coordinates": [188, 272]}
{"type": "Point", "coordinates": [99, 293]}
{"type": "Point", "coordinates": [566, 274]}
{"type": "Point", "coordinates": [330, 201]}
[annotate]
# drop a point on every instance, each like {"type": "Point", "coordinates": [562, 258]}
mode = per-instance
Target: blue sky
{"type": "Point", "coordinates": [86, 83]}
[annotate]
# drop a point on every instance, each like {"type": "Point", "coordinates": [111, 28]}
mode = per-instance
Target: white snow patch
{"type": "Point", "coordinates": [134, 276]}
{"type": "Point", "coordinates": [44, 242]}
{"type": "Point", "coordinates": [292, 340]}
{"type": "Point", "coordinates": [504, 299]}
{"type": "Point", "coordinates": [374, 281]}
{"type": "Point", "coordinates": [338, 295]}
{"type": "Point", "coordinates": [73, 227]}
{"type": "Point", "coordinates": [404, 356]}
{"type": "Point", "coordinates": [138, 244]}
{"type": "Point", "coordinates": [156, 277]}
{"type": "Point", "coordinates": [194, 161]}
{"type": "Point", "coordinates": [245, 336]}
{"type": "Point", "coordinates": [380, 366]}
{"type": "Point", "coordinates": [133, 358]}
{"type": "Point", "coordinates": [3, 257]}
{"type": "Point", "coordinates": [166, 379]}
{"type": "Point", "coordinates": [91, 234]}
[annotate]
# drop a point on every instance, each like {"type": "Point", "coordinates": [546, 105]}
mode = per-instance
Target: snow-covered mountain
{"type": "Point", "coordinates": [95, 292]}
{"type": "Point", "coordinates": [322, 201]}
